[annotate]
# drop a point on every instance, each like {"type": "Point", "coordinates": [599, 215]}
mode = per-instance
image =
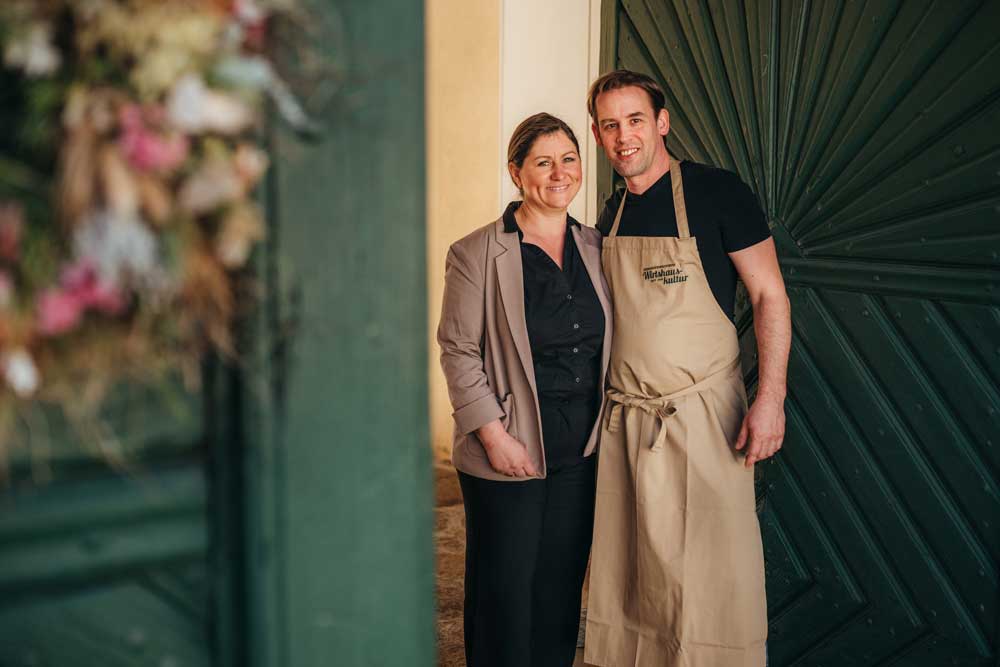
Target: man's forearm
{"type": "Point", "coordinates": [772, 324]}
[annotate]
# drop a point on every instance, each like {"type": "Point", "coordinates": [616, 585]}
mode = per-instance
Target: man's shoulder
{"type": "Point", "coordinates": [607, 215]}
{"type": "Point", "coordinates": [708, 176]}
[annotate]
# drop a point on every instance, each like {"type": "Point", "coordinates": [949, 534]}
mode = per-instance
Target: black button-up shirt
{"type": "Point", "coordinates": [565, 324]}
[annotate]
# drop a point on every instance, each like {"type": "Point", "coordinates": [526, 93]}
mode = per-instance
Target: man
{"type": "Point", "coordinates": [677, 574]}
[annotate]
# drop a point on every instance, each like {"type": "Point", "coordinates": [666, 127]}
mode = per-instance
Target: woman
{"type": "Point", "coordinates": [525, 341]}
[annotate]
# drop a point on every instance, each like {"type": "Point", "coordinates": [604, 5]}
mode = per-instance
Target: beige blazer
{"type": "Point", "coordinates": [485, 351]}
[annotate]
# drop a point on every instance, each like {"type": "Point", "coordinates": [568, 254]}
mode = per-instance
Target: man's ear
{"type": "Point", "coordinates": [597, 134]}
{"type": "Point", "coordinates": [663, 122]}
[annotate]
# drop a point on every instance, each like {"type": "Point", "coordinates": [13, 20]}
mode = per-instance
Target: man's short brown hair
{"type": "Point", "coordinates": [622, 78]}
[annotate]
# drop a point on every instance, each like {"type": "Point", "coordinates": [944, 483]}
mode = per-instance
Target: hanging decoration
{"type": "Point", "coordinates": [126, 189]}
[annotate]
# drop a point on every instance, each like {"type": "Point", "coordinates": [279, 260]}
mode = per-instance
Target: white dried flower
{"type": "Point", "coordinates": [20, 372]}
{"type": "Point", "coordinates": [194, 108]}
{"type": "Point", "coordinates": [32, 51]}
{"type": "Point", "coordinates": [121, 247]}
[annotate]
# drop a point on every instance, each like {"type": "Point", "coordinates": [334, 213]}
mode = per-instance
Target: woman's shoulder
{"type": "Point", "coordinates": [590, 234]}
{"type": "Point", "coordinates": [477, 238]}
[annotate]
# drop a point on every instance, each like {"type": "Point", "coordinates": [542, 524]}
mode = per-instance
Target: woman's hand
{"type": "Point", "coordinates": [507, 455]}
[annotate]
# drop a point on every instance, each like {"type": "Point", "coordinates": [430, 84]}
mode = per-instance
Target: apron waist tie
{"type": "Point", "coordinates": [661, 407]}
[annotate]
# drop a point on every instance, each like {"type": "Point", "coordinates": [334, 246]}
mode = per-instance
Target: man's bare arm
{"type": "Point", "coordinates": [764, 425]}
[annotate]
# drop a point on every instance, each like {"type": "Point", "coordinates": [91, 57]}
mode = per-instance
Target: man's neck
{"type": "Point", "coordinates": [642, 182]}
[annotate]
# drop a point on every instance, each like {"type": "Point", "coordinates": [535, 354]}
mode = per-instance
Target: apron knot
{"type": "Point", "coordinates": [652, 406]}
{"type": "Point", "coordinates": [662, 407]}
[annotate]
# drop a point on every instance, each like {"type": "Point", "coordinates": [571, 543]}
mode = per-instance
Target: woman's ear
{"type": "Point", "coordinates": [515, 174]}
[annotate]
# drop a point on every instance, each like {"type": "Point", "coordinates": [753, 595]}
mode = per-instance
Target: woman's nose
{"type": "Point", "coordinates": [558, 171]}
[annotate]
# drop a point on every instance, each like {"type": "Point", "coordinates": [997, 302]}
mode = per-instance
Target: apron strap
{"type": "Point", "coordinates": [680, 209]}
{"type": "Point", "coordinates": [618, 216]}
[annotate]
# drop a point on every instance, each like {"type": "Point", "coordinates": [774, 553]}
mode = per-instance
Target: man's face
{"type": "Point", "coordinates": [628, 130]}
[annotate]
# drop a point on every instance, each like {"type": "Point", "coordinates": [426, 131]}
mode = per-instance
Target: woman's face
{"type": "Point", "coordinates": [551, 174]}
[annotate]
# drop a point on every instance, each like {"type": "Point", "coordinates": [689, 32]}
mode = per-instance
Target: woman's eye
{"type": "Point", "coordinates": [569, 159]}
{"type": "Point", "coordinates": [543, 163]}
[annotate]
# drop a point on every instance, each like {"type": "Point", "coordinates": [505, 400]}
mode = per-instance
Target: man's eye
{"type": "Point", "coordinates": [610, 126]}
{"type": "Point", "coordinates": [636, 120]}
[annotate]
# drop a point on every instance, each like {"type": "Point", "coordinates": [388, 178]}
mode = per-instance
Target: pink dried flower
{"type": "Point", "coordinates": [146, 149]}
{"type": "Point", "coordinates": [82, 282]}
{"type": "Point", "coordinates": [58, 312]}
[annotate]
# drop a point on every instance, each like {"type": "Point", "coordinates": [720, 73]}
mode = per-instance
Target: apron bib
{"type": "Point", "coordinates": [677, 576]}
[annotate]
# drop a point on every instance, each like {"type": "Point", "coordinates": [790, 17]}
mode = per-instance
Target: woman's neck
{"type": "Point", "coordinates": [539, 221]}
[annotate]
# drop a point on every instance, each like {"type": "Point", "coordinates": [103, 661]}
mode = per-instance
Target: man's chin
{"type": "Point", "coordinates": [628, 170]}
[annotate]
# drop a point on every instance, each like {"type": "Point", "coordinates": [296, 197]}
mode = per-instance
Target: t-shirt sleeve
{"type": "Point", "coordinates": [743, 222]}
{"type": "Point", "coordinates": [606, 218]}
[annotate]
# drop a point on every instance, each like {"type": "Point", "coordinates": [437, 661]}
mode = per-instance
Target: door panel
{"type": "Point", "coordinates": [105, 565]}
{"type": "Point", "coordinates": [868, 132]}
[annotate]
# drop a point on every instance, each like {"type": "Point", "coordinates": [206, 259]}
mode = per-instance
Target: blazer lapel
{"type": "Point", "coordinates": [590, 252]}
{"type": "Point", "coordinates": [510, 278]}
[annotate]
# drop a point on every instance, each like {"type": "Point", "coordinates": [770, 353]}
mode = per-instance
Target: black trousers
{"type": "Point", "coordinates": [527, 545]}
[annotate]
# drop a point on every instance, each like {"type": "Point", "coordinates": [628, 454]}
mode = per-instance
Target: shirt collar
{"type": "Point", "coordinates": [510, 222]}
{"type": "Point", "coordinates": [653, 190]}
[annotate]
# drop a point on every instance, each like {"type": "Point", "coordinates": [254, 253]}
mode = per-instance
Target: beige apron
{"type": "Point", "coordinates": [677, 576]}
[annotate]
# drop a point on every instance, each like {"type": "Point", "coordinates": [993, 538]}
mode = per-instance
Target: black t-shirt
{"type": "Point", "coordinates": [723, 215]}
{"type": "Point", "coordinates": [565, 324]}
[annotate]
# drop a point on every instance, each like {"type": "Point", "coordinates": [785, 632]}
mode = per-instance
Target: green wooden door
{"type": "Point", "coordinates": [102, 566]}
{"type": "Point", "coordinates": [340, 496]}
{"type": "Point", "coordinates": [282, 516]}
{"type": "Point", "coordinates": [115, 531]}
{"type": "Point", "coordinates": [870, 133]}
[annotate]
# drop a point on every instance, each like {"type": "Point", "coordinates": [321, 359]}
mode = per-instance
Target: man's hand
{"type": "Point", "coordinates": [507, 455]}
{"type": "Point", "coordinates": [763, 429]}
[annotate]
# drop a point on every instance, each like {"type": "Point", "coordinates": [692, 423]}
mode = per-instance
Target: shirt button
{"type": "Point", "coordinates": [578, 380]}
{"type": "Point", "coordinates": [569, 296]}
{"type": "Point", "coordinates": [575, 350]}
{"type": "Point", "coordinates": [576, 325]}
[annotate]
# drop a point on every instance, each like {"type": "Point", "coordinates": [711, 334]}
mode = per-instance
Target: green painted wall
{"type": "Point", "coordinates": [340, 495]}
{"type": "Point", "coordinates": [281, 516]}
{"type": "Point", "coordinates": [869, 132]}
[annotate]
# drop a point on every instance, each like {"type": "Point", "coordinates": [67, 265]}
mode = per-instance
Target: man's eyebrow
{"type": "Point", "coordinates": [634, 114]}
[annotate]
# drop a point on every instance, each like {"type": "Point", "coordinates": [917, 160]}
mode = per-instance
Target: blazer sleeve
{"type": "Point", "coordinates": [460, 335]}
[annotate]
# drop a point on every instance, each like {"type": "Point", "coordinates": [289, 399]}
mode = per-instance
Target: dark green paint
{"type": "Point", "coordinates": [280, 515]}
{"type": "Point", "coordinates": [341, 523]}
{"type": "Point", "coordinates": [868, 131]}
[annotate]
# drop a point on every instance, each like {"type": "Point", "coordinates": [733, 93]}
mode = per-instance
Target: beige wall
{"type": "Point", "coordinates": [490, 64]}
{"type": "Point", "coordinates": [463, 129]}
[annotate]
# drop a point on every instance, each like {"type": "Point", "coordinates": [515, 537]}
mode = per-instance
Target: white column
{"type": "Point", "coordinates": [549, 55]}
